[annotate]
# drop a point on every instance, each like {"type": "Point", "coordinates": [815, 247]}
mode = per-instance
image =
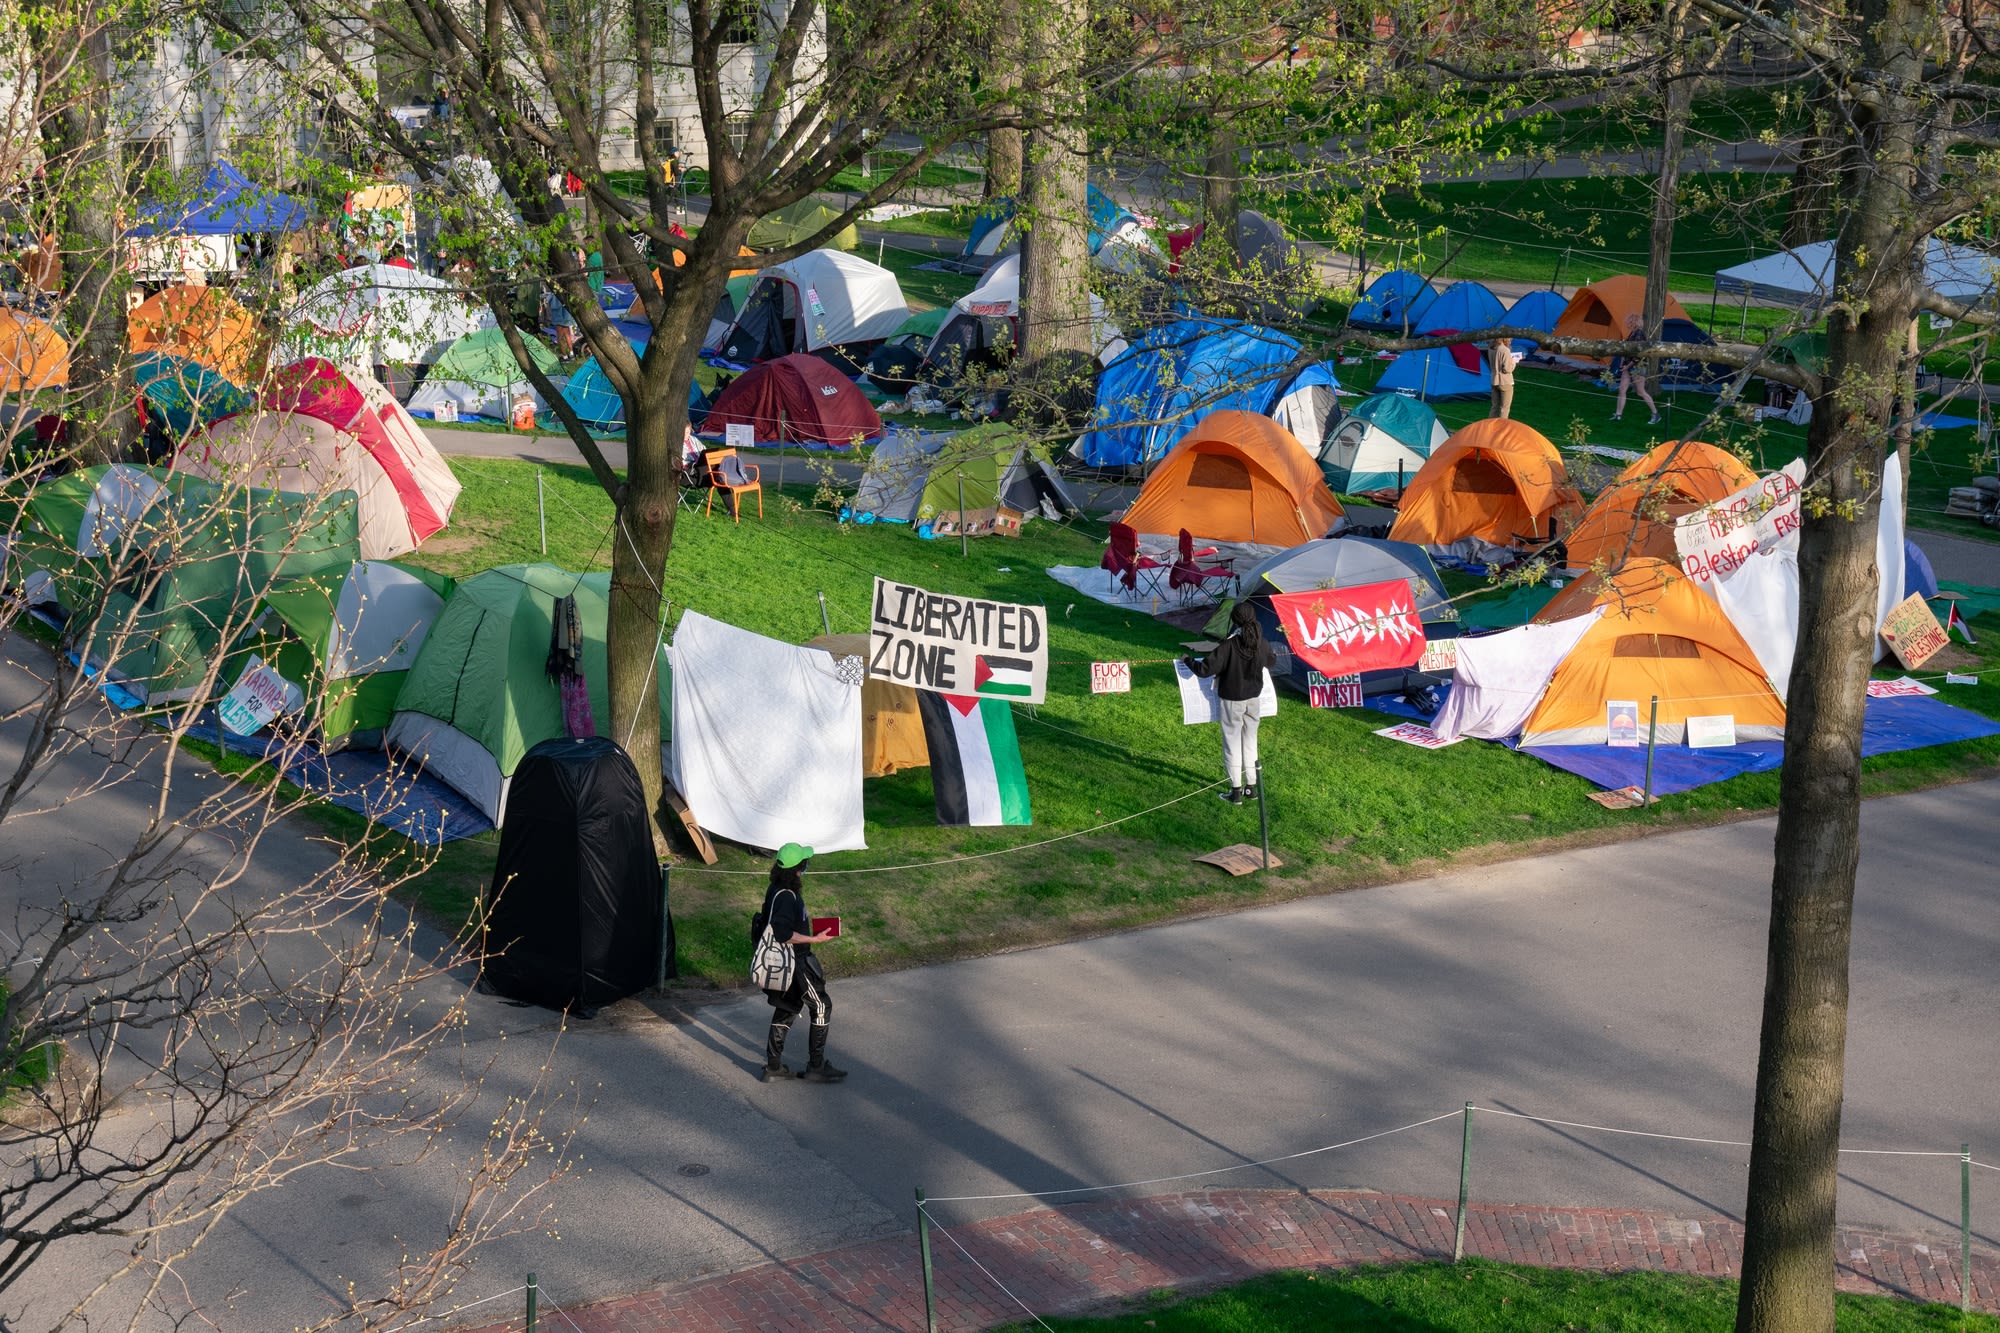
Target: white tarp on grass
{"type": "Point", "coordinates": [766, 738]}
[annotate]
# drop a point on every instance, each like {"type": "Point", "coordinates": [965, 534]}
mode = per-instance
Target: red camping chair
{"type": "Point", "coordinates": [1124, 558]}
{"type": "Point", "coordinates": [1190, 577]}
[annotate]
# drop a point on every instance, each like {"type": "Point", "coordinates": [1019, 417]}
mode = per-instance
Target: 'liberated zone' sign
{"type": "Point", "coordinates": [958, 645]}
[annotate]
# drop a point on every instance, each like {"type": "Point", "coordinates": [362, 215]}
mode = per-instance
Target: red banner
{"type": "Point", "coordinates": [1343, 631]}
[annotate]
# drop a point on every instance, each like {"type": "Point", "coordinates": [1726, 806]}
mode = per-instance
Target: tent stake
{"type": "Point", "coordinates": [826, 625]}
{"type": "Point", "coordinates": [1263, 816]}
{"type": "Point", "coordinates": [1652, 736]}
{"type": "Point", "coordinates": [542, 511]}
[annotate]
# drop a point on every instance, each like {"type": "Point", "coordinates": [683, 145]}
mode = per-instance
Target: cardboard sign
{"type": "Point", "coordinates": [1439, 655]}
{"type": "Point", "coordinates": [1411, 733]}
{"type": "Point", "coordinates": [1622, 798]}
{"type": "Point", "coordinates": [1621, 722]}
{"type": "Point", "coordinates": [1341, 631]}
{"type": "Point", "coordinates": [739, 435]}
{"type": "Point", "coordinates": [1238, 859]}
{"type": "Point", "coordinates": [1200, 703]}
{"type": "Point", "coordinates": [958, 645]}
{"type": "Point", "coordinates": [1900, 689]}
{"type": "Point", "coordinates": [1913, 633]}
{"type": "Point", "coordinates": [1110, 677]}
{"type": "Point", "coordinates": [1718, 538]}
{"type": "Point", "coordinates": [1717, 732]}
{"type": "Point", "coordinates": [261, 694]}
{"type": "Point", "coordinates": [1334, 691]}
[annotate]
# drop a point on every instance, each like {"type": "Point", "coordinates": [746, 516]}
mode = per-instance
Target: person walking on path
{"type": "Point", "coordinates": [1627, 373]}
{"type": "Point", "coordinates": [1238, 665]}
{"type": "Point", "coordinates": [1501, 356]}
{"type": "Point", "coordinates": [785, 911]}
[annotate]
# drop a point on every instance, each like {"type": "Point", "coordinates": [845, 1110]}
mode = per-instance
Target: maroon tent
{"type": "Point", "coordinates": [797, 399]}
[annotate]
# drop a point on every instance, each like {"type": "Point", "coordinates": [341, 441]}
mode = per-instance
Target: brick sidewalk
{"type": "Point", "coordinates": [1078, 1257]}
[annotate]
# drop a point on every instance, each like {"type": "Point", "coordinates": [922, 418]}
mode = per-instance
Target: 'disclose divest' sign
{"type": "Point", "coordinates": [958, 645]}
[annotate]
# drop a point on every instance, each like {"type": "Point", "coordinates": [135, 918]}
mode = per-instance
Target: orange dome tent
{"type": "Point", "coordinates": [1236, 477]}
{"type": "Point", "coordinates": [1497, 481]}
{"type": "Point", "coordinates": [32, 354]}
{"type": "Point", "coordinates": [1633, 516]}
{"type": "Point", "coordinates": [1601, 309]}
{"type": "Point", "coordinates": [202, 324]}
{"type": "Point", "coordinates": [1659, 635]}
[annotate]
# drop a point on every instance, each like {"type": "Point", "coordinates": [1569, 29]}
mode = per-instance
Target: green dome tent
{"type": "Point", "coordinates": [348, 638]}
{"type": "Point", "coordinates": [479, 376]}
{"type": "Point", "coordinates": [161, 574]}
{"type": "Point", "coordinates": [798, 222]}
{"type": "Point", "coordinates": [479, 695]}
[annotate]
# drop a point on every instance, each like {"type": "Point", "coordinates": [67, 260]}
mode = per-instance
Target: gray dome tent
{"type": "Point", "coordinates": [1343, 562]}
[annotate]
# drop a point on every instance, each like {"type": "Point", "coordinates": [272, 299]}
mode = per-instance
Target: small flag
{"type": "Point", "coordinates": [976, 773]}
{"type": "Point", "coordinates": [1004, 675]}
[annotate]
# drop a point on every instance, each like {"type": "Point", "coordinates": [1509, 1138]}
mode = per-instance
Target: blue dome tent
{"type": "Point", "coordinates": [590, 393]}
{"type": "Point", "coordinates": [1461, 306]}
{"type": "Point", "coordinates": [1432, 374]}
{"type": "Point", "coordinates": [1534, 310]}
{"type": "Point", "coordinates": [1392, 300]}
{"type": "Point", "coordinates": [993, 232]}
{"type": "Point", "coordinates": [184, 394]}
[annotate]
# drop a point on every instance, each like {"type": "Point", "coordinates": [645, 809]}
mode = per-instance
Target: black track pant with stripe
{"type": "Point", "coordinates": [809, 996]}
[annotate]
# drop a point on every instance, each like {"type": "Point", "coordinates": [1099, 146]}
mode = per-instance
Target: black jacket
{"type": "Point", "coordinates": [1238, 670]}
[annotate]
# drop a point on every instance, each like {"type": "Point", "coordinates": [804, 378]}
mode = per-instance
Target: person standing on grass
{"type": "Point", "coordinates": [1238, 665]}
{"type": "Point", "coordinates": [1628, 373]}
{"type": "Point", "coordinates": [1501, 356]}
{"type": "Point", "coordinates": [785, 909]}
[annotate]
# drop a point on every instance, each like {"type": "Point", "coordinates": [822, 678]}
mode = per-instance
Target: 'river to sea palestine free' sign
{"type": "Point", "coordinates": [958, 645]}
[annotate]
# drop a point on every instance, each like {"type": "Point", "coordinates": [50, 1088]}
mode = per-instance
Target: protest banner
{"type": "Point", "coordinates": [1718, 538]}
{"type": "Point", "coordinates": [1200, 703]}
{"type": "Point", "coordinates": [1344, 631]}
{"type": "Point", "coordinates": [958, 645]}
{"type": "Point", "coordinates": [1913, 633]}
{"type": "Point", "coordinates": [1110, 677]}
{"type": "Point", "coordinates": [1333, 691]}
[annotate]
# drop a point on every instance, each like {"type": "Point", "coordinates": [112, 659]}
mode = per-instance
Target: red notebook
{"type": "Point", "coordinates": [826, 925]}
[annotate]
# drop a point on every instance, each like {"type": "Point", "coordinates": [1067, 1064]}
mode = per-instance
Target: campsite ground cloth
{"type": "Point", "coordinates": [1888, 725]}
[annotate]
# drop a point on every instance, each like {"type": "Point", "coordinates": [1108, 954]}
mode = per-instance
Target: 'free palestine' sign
{"type": "Point", "coordinates": [958, 645]}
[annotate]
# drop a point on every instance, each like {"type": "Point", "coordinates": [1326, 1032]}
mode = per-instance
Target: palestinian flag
{"type": "Point", "coordinates": [976, 773]}
{"type": "Point", "coordinates": [1004, 675]}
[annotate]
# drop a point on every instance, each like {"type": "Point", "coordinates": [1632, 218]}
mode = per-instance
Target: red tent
{"type": "Point", "coordinates": [795, 399]}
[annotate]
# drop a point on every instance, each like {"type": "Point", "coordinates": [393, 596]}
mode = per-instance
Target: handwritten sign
{"type": "Point", "coordinates": [1715, 732]}
{"type": "Point", "coordinates": [1913, 633]}
{"type": "Point", "coordinates": [1411, 733]}
{"type": "Point", "coordinates": [1717, 539]}
{"type": "Point", "coordinates": [1110, 677]}
{"type": "Point", "coordinates": [1439, 655]}
{"type": "Point", "coordinates": [740, 435]}
{"type": "Point", "coordinates": [958, 645]}
{"type": "Point", "coordinates": [1333, 691]}
{"type": "Point", "coordinates": [1904, 688]}
{"type": "Point", "coordinates": [261, 694]}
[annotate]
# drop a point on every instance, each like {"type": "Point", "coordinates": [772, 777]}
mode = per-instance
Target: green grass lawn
{"type": "Point", "coordinates": [932, 175]}
{"type": "Point", "coordinates": [1480, 1297]}
{"type": "Point", "coordinates": [1347, 808]}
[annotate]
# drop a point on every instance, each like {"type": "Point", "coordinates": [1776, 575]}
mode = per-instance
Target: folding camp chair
{"type": "Point", "coordinates": [1190, 577]}
{"type": "Point", "coordinates": [727, 472]}
{"type": "Point", "coordinates": [1124, 558]}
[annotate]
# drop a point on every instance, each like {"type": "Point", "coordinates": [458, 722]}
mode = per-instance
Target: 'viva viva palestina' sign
{"type": "Point", "coordinates": [1345, 631]}
{"type": "Point", "coordinates": [958, 645]}
{"type": "Point", "coordinates": [1717, 538]}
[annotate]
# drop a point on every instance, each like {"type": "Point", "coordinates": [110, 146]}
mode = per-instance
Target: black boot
{"type": "Point", "coordinates": [774, 1053]}
{"type": "Point", "coordinates": [818, 1068]}
{"type": "Point", "coordinates": [1234, 795]}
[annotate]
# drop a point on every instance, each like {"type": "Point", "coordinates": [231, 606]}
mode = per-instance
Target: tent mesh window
{"type": "Point", "coordinates": [1218, 472]}
{"type": "Point", "coordinates": [1655, 645]}
{"type": "Point", "coordinates": [1481, 476]}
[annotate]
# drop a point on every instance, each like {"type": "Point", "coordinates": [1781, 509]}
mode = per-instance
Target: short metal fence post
{"type": "Point", "coordinates": [534, 1300]}
{"type": "Point", "coordinates": [1964, 1229]}
{"type": "Point", "coordinates": [1464, 1183]}
{"type": "Point", "coordinates": [1263, 816]}
{"type": "Point", "coordinates": [924, 1246]}
{"type": "Point", "coordinates": [825, 623]}
{"type": "Point", "coordinates": [542, 511]}
{"type": "Point", "coordinates": [1652, 736]}
{"type": "Point", "coordinates": [666, 936]}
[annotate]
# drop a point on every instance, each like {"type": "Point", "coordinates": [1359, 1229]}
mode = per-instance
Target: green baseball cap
{"type": "Point", "coordinates": [792, 854]}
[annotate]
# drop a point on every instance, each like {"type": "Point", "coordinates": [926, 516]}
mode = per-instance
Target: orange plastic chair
{"type": "Point", "coordinates": [728, 473]}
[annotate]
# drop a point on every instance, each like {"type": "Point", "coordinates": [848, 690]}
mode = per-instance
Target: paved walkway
{"type": "Point", "coordinates": [1088, 1255]}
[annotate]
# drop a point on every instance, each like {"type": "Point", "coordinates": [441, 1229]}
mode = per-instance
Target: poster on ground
{"type": "Point", "coordinates": [958, 645]}
{"type": "Point", "coordinates": [1345, 631]}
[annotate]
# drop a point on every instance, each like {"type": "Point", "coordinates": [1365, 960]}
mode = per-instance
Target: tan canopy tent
{"type": "Point", "coordinates": [892, 731]}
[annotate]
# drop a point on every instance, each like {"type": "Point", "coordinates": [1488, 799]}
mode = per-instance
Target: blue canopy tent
{"type": "Point", "coordinates": [227, 204]}
{"type": "Point", "coordinates": [1432, 374]}
{"type": "Point", "coordinates": [1173, 376]}
{"type": "Point", "coordinates": [183, 394]}
{"type": "Point", "coordinates": [1534, 310]}
{"type": "Point", "coordinates": [1463, 306]}
{"type": "Point", "coordinates": [1396, 298]}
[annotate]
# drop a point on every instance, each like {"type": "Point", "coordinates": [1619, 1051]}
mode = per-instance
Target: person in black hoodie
{"type": "Point", "coordinates": [785, 909]}
{"type": "Point", "coordinates": [1238, 665]}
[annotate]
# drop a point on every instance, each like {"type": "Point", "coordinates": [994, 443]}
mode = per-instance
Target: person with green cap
{"type": "Point", "coordinates": [785, 910]}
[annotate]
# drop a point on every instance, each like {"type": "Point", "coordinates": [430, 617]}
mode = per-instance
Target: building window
{"type": "Point", "coordinates": [144, 158]}
{"type": "Point", "coordinates": [737, 21]}
{"type": "Point", "coordinates": [666, 137]}
{"type": "Point", "coordinates": [738, 126]}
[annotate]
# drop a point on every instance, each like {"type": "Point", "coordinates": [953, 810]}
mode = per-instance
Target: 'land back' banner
{"type": "Point", "coordinates": [1345, 631]}
{"type": "Point", "coordinates": [958, 645]}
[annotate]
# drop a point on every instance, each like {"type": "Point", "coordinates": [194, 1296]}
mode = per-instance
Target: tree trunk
{"type": "Point", "coordinates": [1055, 214]}
{"type": "Point", "coordinates": [86, 173]}
{"type": "Point", "coordinates": [1801, 1060]}
{"type": "Point", "coordinates": [1815, 187]}
{"type": "Point", "coordinates": [1003, 146]}
{"type": "Point", "coordinates": [1221, 182]}
{"type": "Point", "coordinates": [1676, 91]}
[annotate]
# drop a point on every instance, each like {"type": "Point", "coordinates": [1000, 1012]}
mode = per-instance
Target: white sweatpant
{"type": "Point", "coordinates": [1239, 741]}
